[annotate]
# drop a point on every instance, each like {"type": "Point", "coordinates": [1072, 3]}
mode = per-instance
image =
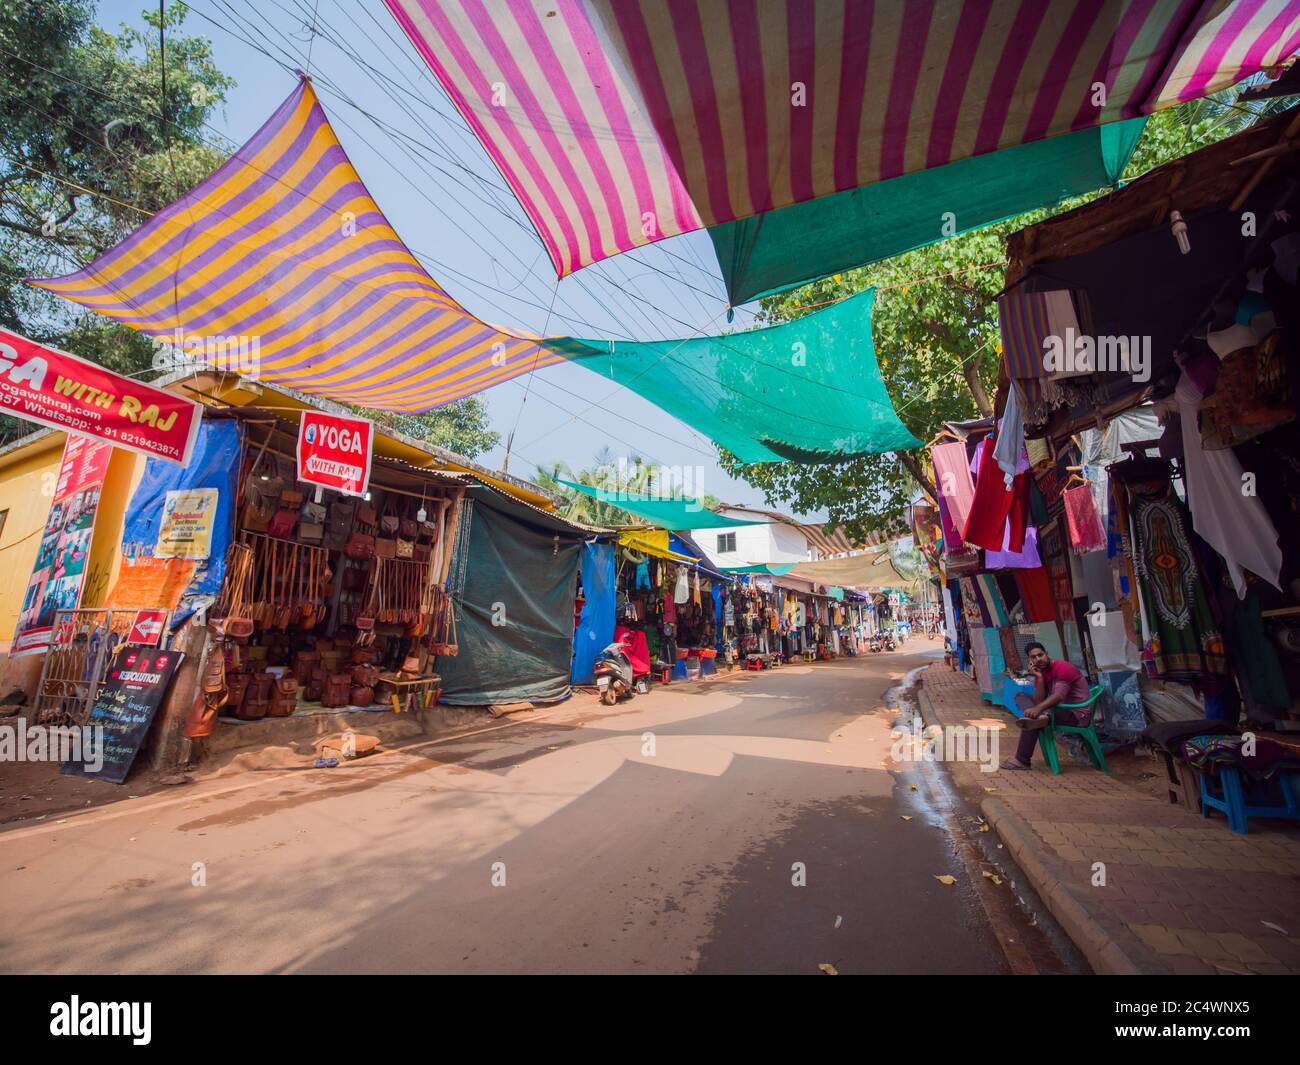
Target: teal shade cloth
{"type": "Point", "coordinates": [778, 250]}
{"type": "Point", "coordinates": [804, 391]}
{"type": "Point", "coordinates": [761, 567]}
{"type": "Point", "coordinates": [835, 593]}
{"type": "Point", "coordinates": [671, 514]}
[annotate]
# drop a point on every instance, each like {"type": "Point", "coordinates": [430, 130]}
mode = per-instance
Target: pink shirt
{"type": "Point", "coordinates": [1061, 678]}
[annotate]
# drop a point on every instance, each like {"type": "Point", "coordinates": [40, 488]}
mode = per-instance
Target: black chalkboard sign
{"type": "Point", "coordinates": [124, 710]}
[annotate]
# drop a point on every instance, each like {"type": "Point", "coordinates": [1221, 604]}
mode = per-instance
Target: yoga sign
{"type": "Point", "coordinates": [50, 387]}
{"type": "Point", "coordinates": [334, 451]}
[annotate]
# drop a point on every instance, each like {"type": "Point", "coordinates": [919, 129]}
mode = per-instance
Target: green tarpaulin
{"type": "Point", "coordinates": [806, 391]}
{"type": "Point", "coordinates": [514, 579]}
{"type": "Point", "coordinates": [777, 250]}
{"type": "Point", "coordinates": [761, 567]}
{"type": "Point", "coordinates": [671, 514]}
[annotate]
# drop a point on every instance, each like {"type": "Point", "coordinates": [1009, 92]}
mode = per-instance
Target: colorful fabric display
{"type": "Point", "coordinates": [995, 503]}
{"type": "Point", "coordinates": [1083, 521]}
{"type": "Point", "coordinates": [952, 478]}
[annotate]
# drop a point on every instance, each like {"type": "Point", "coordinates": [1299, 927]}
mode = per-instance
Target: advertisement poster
{"type": "Point", "coordinates": [334, 451]}
{"type": "Point", "coordinates": [50, 387]}
{"type": "Point", "coordinates": [188, 515]}
{"type": "Point", "coordinates": [60, 570]}
{"type": "Point", "coordinates": [147, 628]}
{"type": "Point", "coordinates": [125, 707]}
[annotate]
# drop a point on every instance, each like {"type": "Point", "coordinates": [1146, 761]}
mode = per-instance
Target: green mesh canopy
{"type": "Point", "coordinates": [674, 515]}
{"type": "Point", "coordinates": [777, 250]}
{"type": "Point", "coordinates": [803, 391]}
{"type": "Point", "coordinates": [761, 567]}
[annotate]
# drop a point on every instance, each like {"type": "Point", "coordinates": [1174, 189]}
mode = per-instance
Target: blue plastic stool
{"type": "Point", "coordinates": [1233, 801]}
{"type": "Point", "coordinates": [679, 669]}
{"type": "Point", "coordinates": [708, 667]}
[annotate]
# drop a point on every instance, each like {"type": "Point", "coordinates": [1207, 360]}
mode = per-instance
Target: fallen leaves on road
{"type": "Point", "coordinates": [946, 879]}
{"type": "Point", "coordinates": [905, 817]}
{"type": "Point", "coordinates": [915, 788]}
{"type": "Point", "coordinates": [828, 969]}
{"type": "Point", "coordinates": [984, 828]}
{"type": "Point", "coordinates": [993, 876]}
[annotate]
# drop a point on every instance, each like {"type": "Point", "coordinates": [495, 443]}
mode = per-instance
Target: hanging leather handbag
{"type": "Point", "coordinates": [261, 500]}
{"type": "Point", "coordinates": [361, 695]}
{"type": "Point", "coordinates": [366, 514]}
{"type": "Point", "coordinates": [407, 529]}
{"type": "Point", "coordinates": [385, 548]}
{"type": "Point", "coordinates": [291, 497]}
{"type": "Point", "coordinates": [283, 525]}
{"type": "Point", "coordinates": [404, 548]}
{"type": "Point", "coordinates": [428, 531]}
{"type": "Point", "coordinates": [365, 675]}
{"type": "Point", "coordinates": [311, 524]}
{"type": "Point", "coordinates": [360, 547]}
{"type": "Point", "coordinates": [284, 697]}
{"type": "Point", "coordinates": [390, 522]}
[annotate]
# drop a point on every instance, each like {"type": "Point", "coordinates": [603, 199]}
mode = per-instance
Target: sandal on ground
{"type": "Point", "coordinates": [1031, 723]}
{"type": "Point", "coordinates": [1011, 763]}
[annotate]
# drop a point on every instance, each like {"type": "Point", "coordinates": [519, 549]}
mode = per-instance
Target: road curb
{"type": "Point", "coordinates": [1110, 948]}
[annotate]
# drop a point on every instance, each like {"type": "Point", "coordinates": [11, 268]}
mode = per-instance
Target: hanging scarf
{"type": "Point", "coordinates": [1086, 532]}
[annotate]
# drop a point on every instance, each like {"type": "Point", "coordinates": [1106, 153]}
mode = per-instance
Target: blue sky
{"type": "Point", "coordinates": [443, 195]}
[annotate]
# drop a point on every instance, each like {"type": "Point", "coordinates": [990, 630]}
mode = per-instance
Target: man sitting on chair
{"type": "Point", "coordinates": [1054, 682]}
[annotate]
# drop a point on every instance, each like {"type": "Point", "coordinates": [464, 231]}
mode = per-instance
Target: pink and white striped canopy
{"type": "Point", "coordinates": [618, 123]}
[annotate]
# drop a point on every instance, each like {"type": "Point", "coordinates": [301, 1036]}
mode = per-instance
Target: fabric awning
{"type": "Point", "coordinates": [869, 571]}
{"type": "Point", "coordinates": [621, 124]}
{"type": "Point", "coordinates": [652, 542]}
{"type": "Point", "coordinates": [761, 568]}
{"type": "Point", "coordinates": [282, 268]}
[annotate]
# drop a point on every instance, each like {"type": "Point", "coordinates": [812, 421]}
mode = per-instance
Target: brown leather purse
{"type": "Point", "coordinates": [284, 697]}
{"type": "Point", "coordinates": [338, 688]}
{"type": "Point", "coordinates": [365, 675]}
{"type": "Point", "coordinates": [253, 708]}
{"type": "Point", "coordinates": [360, 547]}
{"type": "Point", "coordinates": [361, 695]}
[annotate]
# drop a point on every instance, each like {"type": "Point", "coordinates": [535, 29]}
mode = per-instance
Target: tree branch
{"type": "Point", "coordinates": [913, 466]}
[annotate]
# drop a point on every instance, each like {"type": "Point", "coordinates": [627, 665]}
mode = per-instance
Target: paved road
{"type": "Point", "coordinates": [660, 836]}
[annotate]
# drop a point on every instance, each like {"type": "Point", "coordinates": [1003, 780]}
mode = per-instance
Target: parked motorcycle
{"type": "Point", "coordinates": [890, 645]}
{"type": "Point", "coordinates": [875, 644]}
{"type": "Point", "coordinates": [613, 670]}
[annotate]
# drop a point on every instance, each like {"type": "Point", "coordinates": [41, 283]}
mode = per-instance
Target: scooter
{"type": "Point", "coordinates": [890, 645]}
{"type": "Point", "coordinates": [874, 643]}
{"type": "Point", "coordinates": [613, 671]}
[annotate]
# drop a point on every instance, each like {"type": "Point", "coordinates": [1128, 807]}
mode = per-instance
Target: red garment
{"type": "Point", "coordinates": [638, 651]}
{"type": "Point", "coordinates": [995, 505]}
{"type": "Point", "coordinates": [1036, 593]}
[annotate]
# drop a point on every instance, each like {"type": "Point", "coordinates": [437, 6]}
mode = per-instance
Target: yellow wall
{"type": "Point", "coordinates": [26, 487]}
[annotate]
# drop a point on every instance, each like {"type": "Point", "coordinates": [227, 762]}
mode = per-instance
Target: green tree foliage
{"type": "Point", "coordinates": [463, 426]}
{"type": "Point", "coordinates": [82, 108]}
{"type": "Point", "coordinates": [936, 338]}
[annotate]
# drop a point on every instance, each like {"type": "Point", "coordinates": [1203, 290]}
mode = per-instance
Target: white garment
{"type": "Point", "coordinates": [1235, 524]}
{"type": "Point", "coordinates": [1011, 438]}
{"type": "Point", "coordinates": [682, 592]}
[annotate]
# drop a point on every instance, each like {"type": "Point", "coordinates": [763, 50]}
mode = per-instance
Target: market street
{"type": "Point", "coordinates": [614, 860]}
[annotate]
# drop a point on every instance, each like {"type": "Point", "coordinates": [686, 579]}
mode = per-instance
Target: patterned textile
{"type": "Point", "coordinates": [1083, 521]}
{"type": "Point", "coordinates": [1185, 643]}
{"type": "Point", "coordinates": [995, 606]}
{"type": "Point", "coordinates": [972, 607]}
{"type": "Point", "coordinates": [618, 124]}
{"type": "Point", "coordinates": [1211, 752]}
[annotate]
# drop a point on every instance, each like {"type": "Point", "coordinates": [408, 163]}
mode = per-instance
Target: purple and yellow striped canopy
{"type": "Point", "coordinates": [620, 123]}
{"type": "Point", "coordinates": [283, 245]}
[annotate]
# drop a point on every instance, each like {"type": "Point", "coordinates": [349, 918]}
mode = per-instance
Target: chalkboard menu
{"type": "Point", "coordinates": [124, 710]}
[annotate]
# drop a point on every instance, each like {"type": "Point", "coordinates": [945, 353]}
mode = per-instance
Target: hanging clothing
{"type": "Point", "coordinates": [995, 504]}
{"type": "Point", "coordinates": [952, 478]}
{"type": "Point", "coordinates": [1185, 644]}
{"type": "Point", "coordinates": [682, 593]}
{"type": "Point", "coordinates": [1236, 525]}
{"type": "Point", "coordinates": [1026, 558]}
{"type": "Point", "coordinates": [1083, 520]}
{"type": "Point", "coordinates": [1010, 447]}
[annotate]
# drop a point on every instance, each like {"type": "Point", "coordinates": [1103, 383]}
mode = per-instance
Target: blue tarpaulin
{"type": "Point", "coordinates": [595, 629]}
{"type": "Point", "coordinates": [214, 464]}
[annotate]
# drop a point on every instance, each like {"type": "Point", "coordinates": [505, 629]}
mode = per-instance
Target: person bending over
{"type": "Point", "coordinates": [1055, 682]}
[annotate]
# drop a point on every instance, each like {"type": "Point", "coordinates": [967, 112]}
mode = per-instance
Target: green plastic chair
{"type": "Point", "coordinates": [1047, 738]}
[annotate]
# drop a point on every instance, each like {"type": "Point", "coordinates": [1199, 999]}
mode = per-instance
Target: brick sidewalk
{"type": "Point", "coordinates": [1182, 894]}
